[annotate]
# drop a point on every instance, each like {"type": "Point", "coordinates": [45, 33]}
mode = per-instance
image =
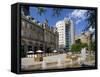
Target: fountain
{"type": "Point", "coordinates": [83, 56]}
{"type": "Point", "coordinates": [83, 53]}
{"type": "Point", "coordinates": [59, 62]}
{"type": "Point", "coordinates": [44, 65]}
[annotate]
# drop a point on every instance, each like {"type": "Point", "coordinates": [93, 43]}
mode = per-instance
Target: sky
{"type": "Point", "coordinates": [77, 15]}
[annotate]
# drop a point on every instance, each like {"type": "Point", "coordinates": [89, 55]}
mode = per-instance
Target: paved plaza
{"type": "Point", "coordinates": [67, 61]}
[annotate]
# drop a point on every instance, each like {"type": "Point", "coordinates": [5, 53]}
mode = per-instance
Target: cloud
{"type": "Point", "coordinates": [78, 15]}
{"type": "Point", "coordinates": [78, 21]}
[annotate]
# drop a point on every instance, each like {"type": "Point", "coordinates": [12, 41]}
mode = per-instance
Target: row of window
{"type": "Point", "coordinates": [31, 34]}
{"type": "Point", "coordinates": [28, 30]}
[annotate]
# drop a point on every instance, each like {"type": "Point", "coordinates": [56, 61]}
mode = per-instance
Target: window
{"type": "Point", "coordinates": [29, 48]}
{"type": "Point", "coordinates": [22, 32]}
{"type": "Point", "coordinates": [23, 23]}
{"type": "Point", "coordinates": [28, 26]}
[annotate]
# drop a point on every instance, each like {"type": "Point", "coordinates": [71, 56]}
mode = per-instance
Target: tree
{"type": "Point", "coordinates": [92, 46]}
{"type": "Point", "coordinates": [41, 10]}
{"type": "Point", "coordinates": [77, 47]}
{"type": "Point", "coordinates": [91, 15]}
{"type": "Point", "coordinates": [91, 21]}
{"type": "Point", "coordinates": [55, 11]}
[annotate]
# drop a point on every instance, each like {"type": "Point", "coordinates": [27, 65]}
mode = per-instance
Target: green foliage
{"type": "Point", "coordinates": [41, 10]}
{"type": "Point", "coordinates": [84, 45]}
{"type": "Point", "coordinates": [77, 47]}
{"type": "Point", "coordinates": [55, 11]}
{"type": "Point", "coordinates": [91, 15]}
{"type": "Point", "coordinates": [92, 46]}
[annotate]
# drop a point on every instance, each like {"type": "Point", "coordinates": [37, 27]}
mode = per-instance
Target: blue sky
{"type": "Point", "coordinates": [77, 15]}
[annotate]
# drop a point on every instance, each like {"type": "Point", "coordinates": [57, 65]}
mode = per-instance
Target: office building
{"type": "Point", "coordinates": [65, 29]}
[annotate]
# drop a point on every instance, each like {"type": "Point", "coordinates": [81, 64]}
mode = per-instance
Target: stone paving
{"type": "Point", "coordinates": [72, 60]}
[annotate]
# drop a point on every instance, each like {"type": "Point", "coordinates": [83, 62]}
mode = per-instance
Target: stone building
{"type": "Point", "coordinates": [36, 36]}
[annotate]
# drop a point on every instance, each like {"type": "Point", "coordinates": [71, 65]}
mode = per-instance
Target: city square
{"type": "Point", "coordinates": [63, 45]}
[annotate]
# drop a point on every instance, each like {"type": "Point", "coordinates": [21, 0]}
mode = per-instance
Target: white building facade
{"type": "Point", "coordinates": [66, 32]}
